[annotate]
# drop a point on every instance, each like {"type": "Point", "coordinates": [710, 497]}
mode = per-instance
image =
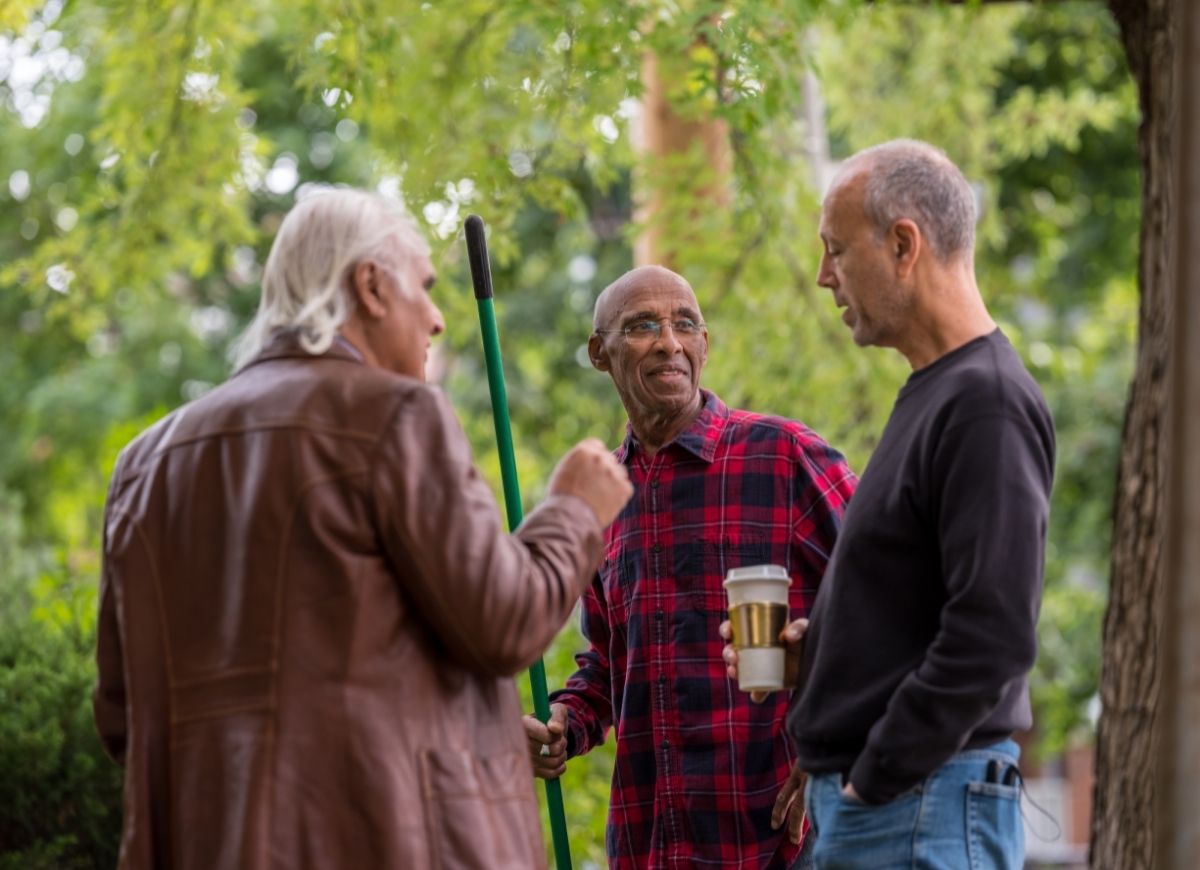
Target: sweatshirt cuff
{"type": "Point", "coordinates": [873, 781]}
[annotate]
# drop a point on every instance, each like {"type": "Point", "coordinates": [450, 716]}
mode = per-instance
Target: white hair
{"type": "Point", "coordinates": [305, 284]}
{"type": "Point", "coordinates": [907, 178]}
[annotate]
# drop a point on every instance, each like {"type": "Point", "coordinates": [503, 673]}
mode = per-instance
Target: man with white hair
{"type": "Point", "coordinates": [310, 613]}
{"type": "Point", "coordinates": [915, 662]}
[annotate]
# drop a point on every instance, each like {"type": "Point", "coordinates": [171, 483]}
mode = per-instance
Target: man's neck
{"type": "Point", "coordinates": [949, 314]}
{"type": "Point", "coordinates": [655, 431]}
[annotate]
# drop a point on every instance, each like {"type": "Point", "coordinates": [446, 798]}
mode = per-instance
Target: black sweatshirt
{"type": "Point", "coordinates": [924, 628]}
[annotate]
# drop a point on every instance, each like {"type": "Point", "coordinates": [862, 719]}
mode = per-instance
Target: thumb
{"type": "Point", "coordinates": [557, 723]}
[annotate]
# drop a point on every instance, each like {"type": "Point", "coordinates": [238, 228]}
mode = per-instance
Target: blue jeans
{"type": "Point", "coordinates": [955, 819]}
{"type": "Point", "coordinates": [804, 861]}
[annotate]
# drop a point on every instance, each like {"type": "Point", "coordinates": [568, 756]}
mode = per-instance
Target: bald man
{"type": "Point", "coordinates": [699, 766]}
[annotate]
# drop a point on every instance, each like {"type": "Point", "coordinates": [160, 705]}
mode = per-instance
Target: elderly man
{"type": "Point", "coordinates": [915, 662]}
{"type": "Point", "coordinates": [310, 613]}
{"type": "Point", "coordinates": [698, 766]}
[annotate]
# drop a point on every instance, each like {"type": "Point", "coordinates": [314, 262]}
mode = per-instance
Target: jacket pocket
{"type": "Point", "coordinates": [480, 812]}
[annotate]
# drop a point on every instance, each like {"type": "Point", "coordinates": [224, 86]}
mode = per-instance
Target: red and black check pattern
{"type": "Point", "coordinates": [698, 766]}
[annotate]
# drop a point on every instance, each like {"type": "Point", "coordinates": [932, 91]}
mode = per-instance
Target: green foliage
{"type": "Point", "coordinates": [60, 796]}
{"type": "Point", "coordinates": [140, 199]}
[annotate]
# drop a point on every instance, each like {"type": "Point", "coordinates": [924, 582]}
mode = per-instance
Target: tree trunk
{"type": "Point", "coordinates": [663, 135]}
{"type": "Point", "coordinates": [1130, 682]}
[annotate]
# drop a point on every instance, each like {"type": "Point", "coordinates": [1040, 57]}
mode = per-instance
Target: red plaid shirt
{"type": "Point", "coordinates": [698, 766]}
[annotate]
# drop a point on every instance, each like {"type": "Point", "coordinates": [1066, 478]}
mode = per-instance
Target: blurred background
{"type": "Point", "coordinates": [149, 151]}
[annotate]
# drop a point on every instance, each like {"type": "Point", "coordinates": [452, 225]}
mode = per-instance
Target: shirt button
{"type": "Point", "coordinates": [654, 484]}
{"type": "Point", "coordinates": [666, 744]}
{"type": "Point", "coordinates": [658, 614]}
{"type": "Point", "coordinates": [657, 548]}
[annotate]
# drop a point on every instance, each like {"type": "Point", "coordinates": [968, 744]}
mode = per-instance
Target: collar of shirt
{"type": "Point", "coordinates": [349, 347]}
{"type": "Point", "coordinates": [701, 438]}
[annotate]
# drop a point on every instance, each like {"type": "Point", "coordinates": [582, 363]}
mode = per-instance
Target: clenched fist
{"type": "Point", "coordinates": [590, 472]}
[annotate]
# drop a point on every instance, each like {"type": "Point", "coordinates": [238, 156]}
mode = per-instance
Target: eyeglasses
{"type": "Point", "coordinates": [651, 330]}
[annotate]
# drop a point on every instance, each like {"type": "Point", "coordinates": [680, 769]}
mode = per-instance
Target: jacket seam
{"type": "Point", "coordinates": [284, 423]}
{"type": "Point", "coordinates": [277, 636]}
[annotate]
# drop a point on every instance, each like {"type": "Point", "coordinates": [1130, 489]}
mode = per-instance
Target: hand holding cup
{"type": "Point", "coordinates": [792, 640]}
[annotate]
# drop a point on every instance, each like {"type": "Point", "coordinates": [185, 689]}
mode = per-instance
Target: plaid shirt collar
{"type": "Point", "coordinates": [701, 438]}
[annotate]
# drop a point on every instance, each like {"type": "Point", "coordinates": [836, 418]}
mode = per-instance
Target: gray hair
{"type": "Point", "coordinates": [305, 284]}
{"type": "Point", "coordinates": [910, 179]}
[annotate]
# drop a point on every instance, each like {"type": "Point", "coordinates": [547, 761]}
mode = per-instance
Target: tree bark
{"type": "Point", "coordinates": [1177, 839]}
{"type": "Point", "coordinates": [664, 134]}
{"type": "Point", "coordinates": [1128, 740]}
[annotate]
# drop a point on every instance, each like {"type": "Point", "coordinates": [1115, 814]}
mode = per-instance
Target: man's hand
{"type": "Point", "coordinates": [548, 742]}
{"type": "Point", "coordinates": [792, 635]}
{"type": "Point", "coordinates": [850, 794]}
{"type": "Point", "coordinates": [789, 805]}
{"type": "Point", "coordinates": [590, 472]}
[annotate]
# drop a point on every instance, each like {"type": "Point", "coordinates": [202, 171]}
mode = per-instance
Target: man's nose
{"type": "Point", "coordinates": [439, 323]}
{"type": "Point", "coordinates": [825, 276]}
{"type": "Point", "coordinates": [667, 339]}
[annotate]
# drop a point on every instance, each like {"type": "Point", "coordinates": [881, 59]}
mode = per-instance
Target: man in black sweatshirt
{"type": "Point", "coordinates": [913, 674]}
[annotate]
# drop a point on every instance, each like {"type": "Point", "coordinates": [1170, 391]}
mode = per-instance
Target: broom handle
{"type": "Point", "coordinates": [481, 277]}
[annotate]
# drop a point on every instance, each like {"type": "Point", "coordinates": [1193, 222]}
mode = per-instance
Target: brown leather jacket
{"type": "Point", "coordinates": [310, 617]}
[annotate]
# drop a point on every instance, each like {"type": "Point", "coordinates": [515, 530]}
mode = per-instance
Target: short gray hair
{"type": "Point", "coordinates": [907, 178]}
{"type": "Point", "coordinates": [305, 284]}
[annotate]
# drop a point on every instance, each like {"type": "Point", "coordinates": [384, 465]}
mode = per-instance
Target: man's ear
{"type": "Point", "coordinates": [364, 285]}
{"type": "Point", "coordinates": [906, 244]}
{"type": "Point", "coordinates": [597, 353]}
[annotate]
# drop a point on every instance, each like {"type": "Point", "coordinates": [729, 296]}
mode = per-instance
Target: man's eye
{"type": "Point", "coordinates": [642, 327]}
{"type": "Point", "coordinates": [685, 324]}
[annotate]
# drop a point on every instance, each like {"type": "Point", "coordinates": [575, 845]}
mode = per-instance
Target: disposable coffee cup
{"type": "Point", "coordinates": [758, 612]}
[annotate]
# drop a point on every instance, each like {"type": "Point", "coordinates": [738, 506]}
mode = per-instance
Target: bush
{"type": "Point", "coordinates": [60, 795]}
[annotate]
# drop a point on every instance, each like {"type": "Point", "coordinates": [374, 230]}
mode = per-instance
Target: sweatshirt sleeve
{"type": "Point", "coordinates": [991, 482]}
{"type": "Point", "coordinates": [495, 600]}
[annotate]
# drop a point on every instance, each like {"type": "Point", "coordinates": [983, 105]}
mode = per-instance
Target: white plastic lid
{"type": "Point", "coordinates": [751, 573]}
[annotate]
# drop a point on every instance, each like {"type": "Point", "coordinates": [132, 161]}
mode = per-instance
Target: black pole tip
{"type": "Point", "coordinates": [477, 255]}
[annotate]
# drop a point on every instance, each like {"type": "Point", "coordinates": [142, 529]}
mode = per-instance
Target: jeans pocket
{"type": "Point", "coordinates": [995, 837]}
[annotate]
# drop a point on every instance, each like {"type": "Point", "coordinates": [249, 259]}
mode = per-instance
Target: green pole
{"type": "Point", "coordinates": [481, 277]}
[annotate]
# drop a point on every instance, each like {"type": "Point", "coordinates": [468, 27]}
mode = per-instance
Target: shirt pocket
{"type": "Point", "coordinates": [701, 606]}
{"type": "Point", "coordinates": [703, 569]}
{"type": "Point", "coordinates": [616, 583]}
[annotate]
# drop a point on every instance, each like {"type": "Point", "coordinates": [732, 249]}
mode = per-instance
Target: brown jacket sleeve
{"type": "Point", "coordinates": [495, 600]}
{"type": "Point", "coordinates": [108, 698]}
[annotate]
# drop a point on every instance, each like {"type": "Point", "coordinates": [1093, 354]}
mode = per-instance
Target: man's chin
{"type": "Point", "coordinates": [679, 399]}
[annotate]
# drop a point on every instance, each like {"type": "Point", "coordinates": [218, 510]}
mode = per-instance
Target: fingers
{"type": "Point", "coordinates": [536, 730]}
{"type": "Point", "coordinates": [728, 653]}
{"type": "Point", "coordinates": [547, 743]}
{"type": "Point", "coordinates": [795, 827]}
{"type": "Point", "coordinates": [790, 798]}
{"type": "Point", "coordinates": [793, 636]}
{"type": "Point", "coordinates": [794, 631]}
{"type": "Point", "coordinates": [730, 657]}
{"type": "Point", "coordinates": [591, 473]}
